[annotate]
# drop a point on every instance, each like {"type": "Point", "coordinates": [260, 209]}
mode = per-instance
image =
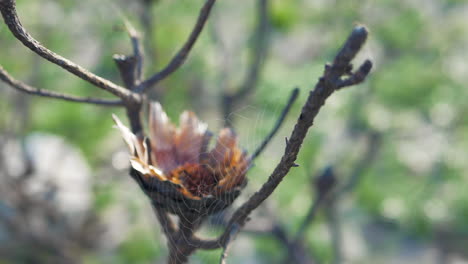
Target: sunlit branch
{"type": "Point", "coordinates": [22, 87]}
{"type": "Point", "coordinates": [326, 85]}
{"type": "Point", "coordinates": [8, 11]}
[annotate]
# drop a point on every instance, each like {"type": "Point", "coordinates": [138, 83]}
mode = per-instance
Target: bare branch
{"type": "Point", "coordinates": [167, 224]}
{"type": "Point", "coordinates": [137, 50]}
{"type": "Point", "coordinates": [358, 76]}
{"type": "Point", "coordinates": [131, 66]}
{"type": "Point", "coordinates": [334, 228]}
{"type": "Point", "coordinates": [308, 220]}
{"type": "Point", "coordinates": [127, 65]}
{"type": "Point", "coordinates": [372, 147]}
{"type": "Point", "coordinates": [326, 85]}
{"type": "Point", "coordinates": [130, 69]}
{"type": "Point", "coordinates": [232, 234]}
{"type": "Point", "coordinates": [22, 87]}
{"type": "Point", "coordinates": [330, 201]}
{"type": "Point", "coordinates": [8, 11]}
{"type": "Point", "coordinates": [180, 57]}
{"type": "Point", "coordinates": [279, 122]}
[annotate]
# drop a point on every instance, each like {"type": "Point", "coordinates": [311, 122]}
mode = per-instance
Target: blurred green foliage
{"type": "Point", "coordinates": [417, 85]}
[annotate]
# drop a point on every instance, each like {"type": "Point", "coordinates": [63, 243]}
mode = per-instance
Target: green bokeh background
{"type": "Point", "coordinates": [415, 98]}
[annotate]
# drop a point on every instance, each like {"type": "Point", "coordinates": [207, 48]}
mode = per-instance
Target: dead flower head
{"type": "Point", "coordinates": [175, 169]}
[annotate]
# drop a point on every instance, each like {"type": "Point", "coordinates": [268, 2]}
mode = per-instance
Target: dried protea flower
{"type": "Point", "coordinates": [175, 169]}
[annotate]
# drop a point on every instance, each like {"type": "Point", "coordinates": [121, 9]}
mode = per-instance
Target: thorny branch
{"type": "Point", "coordinates": [326, 85]}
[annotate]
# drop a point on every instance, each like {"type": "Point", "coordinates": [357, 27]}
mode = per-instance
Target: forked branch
{"type": "Point", "coordinates": [8, 11]}
{"type": "Point", "coordinates": [180, 57]}
{"type": "Point", "coordinates": [326, 85]}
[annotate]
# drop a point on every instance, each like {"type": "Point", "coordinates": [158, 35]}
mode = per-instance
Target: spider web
{"type": "Point", "coordinates": [252, 123]}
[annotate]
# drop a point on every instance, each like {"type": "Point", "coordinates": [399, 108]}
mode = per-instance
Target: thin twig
{"type": "Point", "coordinates": [129, 67]}
{"type": "Point", "coordinates": [224, 254]}
{"type": "Point", "coordinates": [331, 200]}
{"type": "Point", "coordinates": [326, 85]}
{"type": "Point", "coordinates": [8, 11]}
{"type": "Point", "coordinates": [22, 87]}
{"type": "Point", "coordinates": [334, 228]}
{"type": "Point", "coordinates": [258, 55]}
{"type": "Point", "coordinates": [137, 50]}
{"type": "Point", "coordinates": [180, 57]}
{"type": "Point", "coordinates": [372, 147]}
{"type": "Point", "coordinates": [279, 122]}
{"type": "Point", "coordinates": [356, 77]}
{"type": "Point", "coordinates": [308, 219]}
{"type": "Point", "coordinates": [323, 184]}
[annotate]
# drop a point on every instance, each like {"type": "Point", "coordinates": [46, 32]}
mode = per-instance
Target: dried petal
{"type": "Point", "coordinates": [227, 140]}
{"type": "Point", "coordinates": [189, 139]}
{"type": "Point", "coordinates": [162, 138]}
{"type": "Point", "coordinates": [180, 158]}
{"type": "Point", "coordinates": [134, 144]}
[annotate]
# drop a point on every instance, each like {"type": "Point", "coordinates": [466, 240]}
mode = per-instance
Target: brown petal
{"type": "Point", "coordinates": [227, 140]}
{"type": "Point", "coordinates": [234, 168]}
{"type": "Point", "coordinates": [190, 138]}
{"type": "Point", "coordinates": [162, 138]}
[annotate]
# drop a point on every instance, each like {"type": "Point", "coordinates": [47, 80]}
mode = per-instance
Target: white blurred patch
{"type": "Point", "coordinates": [379, 117]}
{"type": "Point", "coordinates": [458, 260]}
{"type": "Point", "coordinates": [422, 148]}
{"type": "Point", "coordinates": [120, 160]}
{"type": "Point", "coordinates": [435, 210]}
{"type": "Point", "coordinates": [354, 244]}
{"type": "Point", "coordinates": [393, 208]}
{"type": "Point", "coordinates": [57, 163]}
{"type": "Point", "coordinates": [442, 114]}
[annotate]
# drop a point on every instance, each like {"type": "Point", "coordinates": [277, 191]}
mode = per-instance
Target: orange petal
{"type": "Point", "coordinates": [227, 140]}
